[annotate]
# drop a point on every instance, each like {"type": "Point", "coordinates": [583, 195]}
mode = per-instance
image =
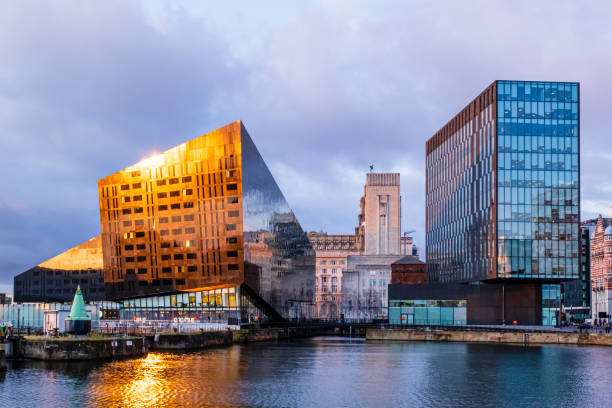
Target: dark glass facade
{"type": "Point", "coordinates": [203, 216]}
{"type": "Point", "coordinates": [56, 279]}
{"type": "Point", "coordinates": [503, 187]}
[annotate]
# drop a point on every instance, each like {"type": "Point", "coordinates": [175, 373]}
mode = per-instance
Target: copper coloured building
{"type": "Point", "coordinates": [204, 228]}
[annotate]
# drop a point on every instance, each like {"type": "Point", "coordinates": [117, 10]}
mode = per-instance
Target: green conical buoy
{"type": "Point", "coordinates": [78, 311]}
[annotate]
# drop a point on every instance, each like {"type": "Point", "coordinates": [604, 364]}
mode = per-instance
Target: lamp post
{"type": "Point", "coordinates": [18, 319]}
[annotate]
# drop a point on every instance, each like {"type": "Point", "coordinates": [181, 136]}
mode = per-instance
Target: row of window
{"type": "Point", "coordinates": [187, 179]}
{"type": "Point", "coordinates": [333, 271]}
{"type": "Point", "coordinates": [332, 262]}
{"type": "Point", "coordinates": [177, 269]}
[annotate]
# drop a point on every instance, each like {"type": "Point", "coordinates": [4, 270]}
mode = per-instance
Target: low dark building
{"type": "Point", "coordinates": [408, 270]}
{"type": "Point", "coordinates": [461, 304]}
{"type": "Point", "coordinates": [56, 279]}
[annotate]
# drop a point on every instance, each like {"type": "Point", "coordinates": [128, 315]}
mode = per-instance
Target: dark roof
{"type": "Point", "coordinates": [408, 260]}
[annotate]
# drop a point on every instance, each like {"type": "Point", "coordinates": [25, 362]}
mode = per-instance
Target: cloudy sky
{"type": "Point", "coordinates": [324, 88]}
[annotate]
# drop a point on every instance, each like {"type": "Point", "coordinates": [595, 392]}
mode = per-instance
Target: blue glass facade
{"type": "Point", "coordinates": [503, 186]}
{"type": "Point", "coordinates": [538, 180]}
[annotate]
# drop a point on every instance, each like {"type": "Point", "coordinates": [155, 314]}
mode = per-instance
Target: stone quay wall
{"type": "Point", "coordinates": [463, 336]}
{"type": "Point", "coordinates": [79, 349]}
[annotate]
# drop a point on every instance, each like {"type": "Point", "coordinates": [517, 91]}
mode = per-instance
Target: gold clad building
{"type": "Point", "coordinates": [203, 229]}
{"type": "Point", "coordinates": [56, 279]}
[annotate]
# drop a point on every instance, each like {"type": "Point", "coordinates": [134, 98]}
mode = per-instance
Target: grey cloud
{"type": "Point", "coordinates": [89, 88]}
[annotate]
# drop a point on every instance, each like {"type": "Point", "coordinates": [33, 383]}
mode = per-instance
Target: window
{"type": "Point", "coordinates": [230, 227]}
{"type": "Point", "coordinates": [187, 192]}
{"type": "Point", "coordinates": [138, 210]}
{"type": "Point", "coordinates": [162, 195]}
{"type": "Point", "coordinates": [129, 259]}
{"type": "Point", "coordinates": [232, 200]}
{"type": "Point", "coordinates": [164, 233]}
{"type": "Point", "coordinates": [162, 207]}
{"type": "Point", "coordinates": [192, 268]}
{"type": "Point", "coordinates": [142, 270]}
{"type": "Point", "coordinates": [232, 187]}
{"type": "Point", "coordinates": [176, 218]}
{"type": "Point", "coordinates": [165, 257]}
{"type": "Point", "coordinates": [140, 246]}
{"type": "Point", "coordinates": [141, 258]}
{"type": "Point", "coordinates": [166, 269]}
{"type": "Point", "coordinates": [188, 217]}
{"type": "Point", "coordinates": [232, 254]}
{"type": "Point", "coordinates": [129, 247]}
{"type": "Point", "coordinates": [323, 262]}
{"type": "Point", "coordinates": [163, 220]}
{"type": "Point", "coordinates": [127, 223]}
{"type": "Point", "coordinates": [135, 173]}
{"type": "Point", "coordinates": [176, 231]}
{"type": "Point", "coordinates": [136, 185]}
{"type": "Point", "coordinates": [189, 230]}
{"type": "Point", "coordinates": [186, 179]}
{"type": "Point", "coordinates": [125, 199]}
{"type": "Point", "coordinates": [231, 240]}
{"type": "Point", "coordinates": [333, 272]}
{"type": "Point", "coordinates": [125, 187]}
{"type": "Point", "coordinates": [174, 181]}
{"type": "Point", "coordinates": [161, 183]}
{"type": "Point", "coordinates": [175, 206]}
{"type": "Point", "coordinates": [165, 245]}
{"type": "Point", "coordinates": [139, 223]}
{"type": "Point", "coordinates": [188, 205]}
{"type": "Point", "coordinates": [127, 211]}
{"type": "Point", "coordinates": [233, 214]}
{"type": "Point", "coordinates": [178, 256]}
{"type": "Point", "coordinates": [233, 267]}
{"type": "Point", "coordinates": [175, 193]}
{"type": "Point", "coordinates": [140, 234]}
{"type": "Point", "coordinates": [180, 281]}
{"type": "Point", "coordinates": [191, 255]}
{"type": "Point", "coordinates": [137, 198]}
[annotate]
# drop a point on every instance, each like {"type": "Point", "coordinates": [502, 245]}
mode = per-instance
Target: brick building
{"type": "Point", "coordinates": [601, 268]}
{"type": "Point", "coordinates": [408, 270]}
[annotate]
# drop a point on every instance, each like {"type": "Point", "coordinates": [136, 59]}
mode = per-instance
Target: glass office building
{"type": "Point", "coordinates": [56, 279]}
{"type": "Point", "coordinates": [503, 188]}
{"type": "Point", "coordinates": [205, 217]}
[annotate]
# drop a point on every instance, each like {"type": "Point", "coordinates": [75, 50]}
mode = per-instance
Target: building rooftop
{"type": "Point", "coordinates": [408, 260]}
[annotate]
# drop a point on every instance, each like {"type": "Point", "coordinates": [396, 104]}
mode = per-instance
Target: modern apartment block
{"type": "Point", "coordinates": [56, 279]}
{"type": "Point", "coordinates": [503, 200]}
{"type": "Point", "coordinates": [203, 229]}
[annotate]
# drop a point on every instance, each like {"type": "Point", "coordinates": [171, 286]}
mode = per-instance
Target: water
{"type": "Point", "coordinates": [324, 372]}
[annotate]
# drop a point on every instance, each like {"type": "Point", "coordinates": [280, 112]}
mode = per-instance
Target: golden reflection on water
{"type": "Point", "coordinates": [165, 379]}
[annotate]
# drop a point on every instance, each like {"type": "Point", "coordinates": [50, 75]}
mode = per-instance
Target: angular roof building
{"type": "Point", "coordinates": [203, 230]}
{"type": "Point", "coordinates": [56, 279]}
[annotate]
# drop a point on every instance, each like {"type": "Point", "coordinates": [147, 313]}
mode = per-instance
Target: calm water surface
{"type": "Point", "coordinates": [325, 372]}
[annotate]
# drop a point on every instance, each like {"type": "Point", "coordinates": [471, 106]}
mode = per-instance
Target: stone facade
{"type": "Point", "coordinates": [331, 260]}
{"type": "Point", "coordinates": [380, 217]}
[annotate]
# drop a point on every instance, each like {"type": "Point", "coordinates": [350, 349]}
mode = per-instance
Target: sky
{"type": "Point", "coordinates": [325, 88]}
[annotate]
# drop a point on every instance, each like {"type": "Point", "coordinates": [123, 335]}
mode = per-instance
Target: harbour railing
{"type": "Point", "coordinates": [150, 327]}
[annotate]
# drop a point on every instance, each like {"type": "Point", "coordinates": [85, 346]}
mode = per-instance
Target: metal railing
{"type": "Point", "coordinates": [150, 327]}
